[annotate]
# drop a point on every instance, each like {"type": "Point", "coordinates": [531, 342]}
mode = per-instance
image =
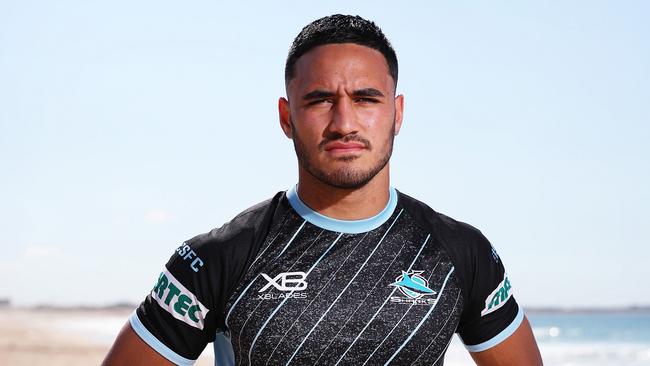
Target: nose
{"type": "Point", "coordinates": [343, 118]}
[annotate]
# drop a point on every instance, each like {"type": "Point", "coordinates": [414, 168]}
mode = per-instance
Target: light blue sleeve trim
{"type": "Point", "coordinates": [157, 345]}
{"type": "Point", "coordinates": [501, 336]}
{"type": "Point", "coordinates": [342, 226]}
{"type": "Point", "coordinates": [224, 355]}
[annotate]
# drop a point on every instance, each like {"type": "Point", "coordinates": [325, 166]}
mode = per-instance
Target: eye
{"type": "Point", "coordinates": [367, 100]}
{"type": "Point", "coordinates": [318, 101]}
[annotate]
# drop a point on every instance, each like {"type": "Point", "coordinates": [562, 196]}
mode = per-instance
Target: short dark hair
{"type": "Point", "coordinates": [340, 28]}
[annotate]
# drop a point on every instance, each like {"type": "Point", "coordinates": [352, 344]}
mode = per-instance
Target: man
{"type": "Point", "coordinates": [342, 268]}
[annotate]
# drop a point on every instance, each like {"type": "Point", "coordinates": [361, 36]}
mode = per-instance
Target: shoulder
{"type": "Point", "coordinates": [467, 248]}
{"type": "Point", "coordinates": [490, 313]}
{"type": "Point", "coordinates": [211, 263]}
{"type": "Point", "coordinates": [456, 236]}
{"type": "Point", "coordinates": [248, 224]}
{"type": "Point", "coordinates": [223, 254]}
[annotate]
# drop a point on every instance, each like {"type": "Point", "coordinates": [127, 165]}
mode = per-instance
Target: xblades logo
{"type": "Point", "coordinates": [412, 285]}
{"type": "Point", "coordinates": [288, 281]}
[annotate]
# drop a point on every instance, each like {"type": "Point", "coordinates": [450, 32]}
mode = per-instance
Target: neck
{"type": "Point", "coordinates": [345, 203]}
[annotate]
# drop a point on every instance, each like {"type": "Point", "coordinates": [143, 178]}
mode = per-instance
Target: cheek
{"type": "Point", "coordinates": [378, 117]}
{"type": "Point", "coordinates": [379, 123]}
{"type": "Point", "coordinates": [310, 127]}
{"type": "Point", "coordinates": [308, 136]}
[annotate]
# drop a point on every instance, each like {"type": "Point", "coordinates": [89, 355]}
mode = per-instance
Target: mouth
{"type": "Point", "coordinates": [344, 148]}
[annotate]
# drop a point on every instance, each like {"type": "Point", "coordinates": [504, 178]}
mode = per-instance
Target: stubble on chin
{"type": "Point", "coordinates": [346, 177]}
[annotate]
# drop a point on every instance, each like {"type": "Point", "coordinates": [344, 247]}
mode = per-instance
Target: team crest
{"type": "Point", "coordinates": [414, 286]}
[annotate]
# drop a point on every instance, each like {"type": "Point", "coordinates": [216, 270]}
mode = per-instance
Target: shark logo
{"type": "Point", "coordinates": [413, 285]}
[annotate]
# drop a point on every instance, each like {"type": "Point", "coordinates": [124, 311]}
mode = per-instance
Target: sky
{"type": "Point", "coordinates": [129, 127]}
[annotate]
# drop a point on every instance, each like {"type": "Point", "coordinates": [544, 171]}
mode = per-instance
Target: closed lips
{"type": "Point", "coordinates": [344, 146]}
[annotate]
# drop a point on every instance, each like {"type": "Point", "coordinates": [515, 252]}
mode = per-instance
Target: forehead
{"type": "Point", "coordinates": [333, 65]}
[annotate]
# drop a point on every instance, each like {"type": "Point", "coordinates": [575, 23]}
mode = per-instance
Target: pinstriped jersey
{"type": "Point", "coordinates": [284, 285]}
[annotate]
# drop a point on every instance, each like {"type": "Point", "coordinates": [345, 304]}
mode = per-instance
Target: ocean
{"type": "Point", "coordinates": [582, 339]}
{"type": "Point", "coordinates": [593, 338]}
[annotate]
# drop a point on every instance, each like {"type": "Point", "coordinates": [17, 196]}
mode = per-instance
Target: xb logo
{"type": "Point", "coordinates": [288, 281]}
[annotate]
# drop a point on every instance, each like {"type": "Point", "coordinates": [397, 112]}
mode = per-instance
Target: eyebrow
{"type": "Point", "coordinates": [365, 92]}
{"type": "Point", "coordinates": [318, 94]}
{"type": "Point", "coordinates": [368, 92]}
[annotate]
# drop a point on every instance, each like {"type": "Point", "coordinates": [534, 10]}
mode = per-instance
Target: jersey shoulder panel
{"type": "Point", "coordinates": [185, 309]}
{"type": "Point", "coordinates": [231, 248]}
{"type": "Point", "coordinates": [490, 312]}
{"type": "Point", "coordinates": [460, 240]}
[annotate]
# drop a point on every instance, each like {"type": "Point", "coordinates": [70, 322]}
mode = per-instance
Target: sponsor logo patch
{"type": "Point", "coordinates": [414, 287]}
{"type": "Point", "coordinates": [498, 297]}
{"type": "Point", "coordinates": [177, 300]}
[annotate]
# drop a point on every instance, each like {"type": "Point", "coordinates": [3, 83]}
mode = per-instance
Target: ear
{"type": "Point", "coordinates": [285, 117]}
{"type": "Point", "coordinates": [399, 112]}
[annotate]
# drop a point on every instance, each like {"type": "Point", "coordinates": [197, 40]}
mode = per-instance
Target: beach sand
{"type": "Point", "coordinates": [62, 337]}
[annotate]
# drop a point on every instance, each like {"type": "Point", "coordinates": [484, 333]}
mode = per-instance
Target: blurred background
{"type": "Point", "coordinates": [129, 127]}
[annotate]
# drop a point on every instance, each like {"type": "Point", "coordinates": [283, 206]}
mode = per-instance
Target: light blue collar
{"type": "Point", "coordinates": [342, 226]}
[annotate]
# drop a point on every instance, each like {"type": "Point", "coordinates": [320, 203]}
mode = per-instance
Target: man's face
{"type": "Point", "coordinates": [342, 113]}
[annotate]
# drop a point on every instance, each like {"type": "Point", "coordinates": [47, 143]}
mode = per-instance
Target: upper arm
{"type": "Point", "coordinates": [490, 314]}
{"type": "Point", "coordinates": [493, 325]}
{"type": "Point", "coordinates": [182, 312]}
{"type": "Point", "coordinates": [518, 349]}
{"type": "Point", "coordinates": [130, 349]}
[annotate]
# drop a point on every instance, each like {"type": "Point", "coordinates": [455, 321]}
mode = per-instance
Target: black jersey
{"type": "Point", "coordinates": [282, 284]}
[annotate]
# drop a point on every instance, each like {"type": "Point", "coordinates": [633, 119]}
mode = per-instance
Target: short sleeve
{"type": "Point", "coordinates": [185, 309]}
{"type": "Point", "coordinates": [491, 313]}
{"type": "Point", "coordinates": [179, 317]}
